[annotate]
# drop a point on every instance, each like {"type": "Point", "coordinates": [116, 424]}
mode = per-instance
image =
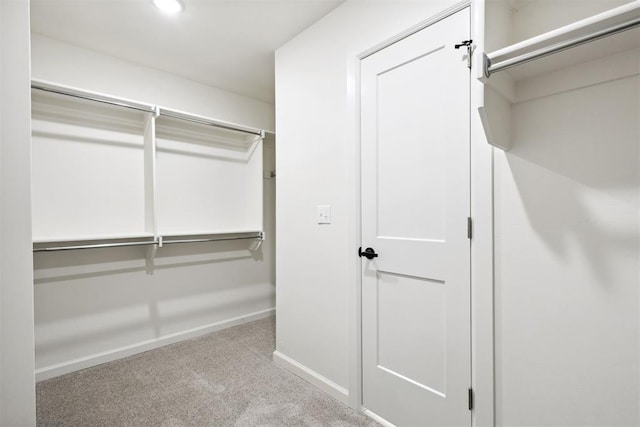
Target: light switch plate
{"type": "Point", "coordinates": [324, 214]}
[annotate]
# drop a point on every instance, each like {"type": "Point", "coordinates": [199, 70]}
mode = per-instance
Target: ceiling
{"type": "Point", "coordinates": [228, 44]}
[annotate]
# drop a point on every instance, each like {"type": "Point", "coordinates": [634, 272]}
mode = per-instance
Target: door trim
{"type": "Point", "coordinates": [416, 28]}
{"type": "Point", "coordinates": [482, 258]}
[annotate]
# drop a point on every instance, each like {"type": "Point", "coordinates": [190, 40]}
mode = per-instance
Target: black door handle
{"type": "Point", "coordinates": [368, 253]}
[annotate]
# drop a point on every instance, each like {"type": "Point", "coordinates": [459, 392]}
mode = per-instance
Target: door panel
{"type": "Point", "coordinates": [404, 167]}
{"type": "Point", "coordinates": [415, 204]}
{"type": "Point", "coordinates": [425, 364]}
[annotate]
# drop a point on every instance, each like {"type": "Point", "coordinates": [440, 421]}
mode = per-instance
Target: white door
{"type": "Point", "coordinates": [415, 205]}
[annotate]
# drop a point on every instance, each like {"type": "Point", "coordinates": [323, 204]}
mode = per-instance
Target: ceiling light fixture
{"type": "Point", "coordinates": [168, 6]}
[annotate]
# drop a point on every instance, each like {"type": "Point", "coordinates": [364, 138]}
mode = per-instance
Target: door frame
{"type": "Point", "coordinates": [482, 254]}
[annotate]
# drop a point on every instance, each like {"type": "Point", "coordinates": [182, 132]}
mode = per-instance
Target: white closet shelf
{"type": "Point", "coordinates": [48, 86]}
{"type": "Point", "coordinates": [90, 95]}
{"type": "Point", "coordinates": [88, 238]}
{"type": "Point", "coordinates": [207, 121]}
{"type": "Point", "coordinates": [583, 41]}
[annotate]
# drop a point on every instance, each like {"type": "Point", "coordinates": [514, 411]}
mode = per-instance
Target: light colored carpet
{"type": "Point", "coordinates": [222, 379]}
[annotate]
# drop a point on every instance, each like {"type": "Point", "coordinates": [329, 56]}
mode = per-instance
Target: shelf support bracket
{"type": "Point", "coordinates": [150, 259]}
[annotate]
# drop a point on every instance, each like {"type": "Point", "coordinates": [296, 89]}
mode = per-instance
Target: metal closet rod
{"type": "Point", "coordinates": [494, 67]}
{"type": "Point", "coordinates": [105, 99]}
{"type": "Point", "coordinates": [213, 239]}
{"type": "Point", "coordinates": [207, 122]}
{"type": "Point", "coordinates": [145, 243]}
{"type": "Point", "coordinates": [91, 96]}
{"type": "Point", "coordinates": [92, 246]}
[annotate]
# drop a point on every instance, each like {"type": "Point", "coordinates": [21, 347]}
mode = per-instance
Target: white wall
{"type": "Point", "coordinates": [75, 66]}
{"type": "Point", "coordinates": [17, 390]}
{"type": "Point", "coordinates": [316, 158]}
{"type": "Point", "coordinates": [99, 304]}
{"type": "Point", "coordinates": [567, 245]}
{"type": "Point", "coordinates": [567, 235]}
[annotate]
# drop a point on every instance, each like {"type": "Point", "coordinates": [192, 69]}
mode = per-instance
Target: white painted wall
{"type": "Point", "coordinates": [95, 305]}
{"type": "Point", "coordinates": [567, 244]}
{"type": "Point", "coordinates": [316, 158]}
{"type": "Point", "coordinates": [17, 390]}
{"type": "Point", "coordinates": [75, 66]}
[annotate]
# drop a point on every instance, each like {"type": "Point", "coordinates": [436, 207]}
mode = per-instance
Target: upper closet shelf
{"type": "Point", "coordinates": [588, 30]}
{"type": "Point", "coordinates": [156, 110]}
{"type": "Point", "coordinates": [209, 122]}
{"type": "Point", "coordinates": [91, 96]}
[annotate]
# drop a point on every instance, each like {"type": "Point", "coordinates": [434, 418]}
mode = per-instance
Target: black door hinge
{"type": "Point", "coordinates": [469, 228]}
{"type": "Point", "coordinates": [471, 399]}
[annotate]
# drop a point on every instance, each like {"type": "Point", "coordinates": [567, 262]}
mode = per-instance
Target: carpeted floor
{"type": "Point", "coordinates": [223, 379]}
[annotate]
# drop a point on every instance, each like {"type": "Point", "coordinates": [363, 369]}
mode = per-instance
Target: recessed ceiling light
{"type": "Point", "coordinates": [168, 6]}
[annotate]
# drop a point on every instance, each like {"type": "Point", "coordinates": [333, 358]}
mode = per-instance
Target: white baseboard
{"type": "Point", "coordinates": [119, 353]}
{"type": "Point", "coordinates": [377, 418]}
{"type": "Point", "coordinates": [338, 392]}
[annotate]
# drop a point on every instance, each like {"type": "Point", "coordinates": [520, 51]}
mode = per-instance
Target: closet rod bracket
{"type": "Point", "coordinates": [486, 64]}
